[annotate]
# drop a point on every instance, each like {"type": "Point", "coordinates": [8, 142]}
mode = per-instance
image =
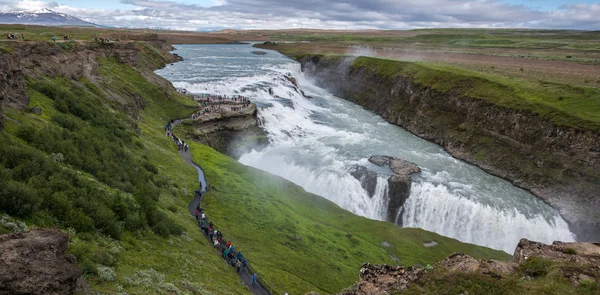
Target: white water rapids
{"type": "Point", "coordinates": [314, 142]}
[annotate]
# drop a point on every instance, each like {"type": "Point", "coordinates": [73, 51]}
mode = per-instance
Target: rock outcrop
{"type": "Point", "coordinates": [230, 133]}
{"type": "Point", "coordinates": [579, 253]}
{"type": "Point", "coordinates": [576, 261]}
{"type": "Point", "coordinates": [398, 184]}
{"type": "Point", "coordinates": [12, 84]}
{"type": "Point", "coordinates": [381, 279]}
{"type": "Point", "coordinates": [37, 60]}
{"type": "Point", "coordinates": [562, 163]}
{"type": "Point", "coordinates": [464, 263]}
{"type": "Point", "coordinates": [367, 178]}
{"type": "Point", "coordinates": [35, 263]}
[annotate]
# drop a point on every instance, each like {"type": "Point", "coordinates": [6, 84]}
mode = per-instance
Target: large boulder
{"type": "Point", "coordinates": [398, 184]}
{"type": "Point", "coordinates": [459, 262]}
{"type": "Point", "coordinates": [382, 279]}
{"type": "Point", "coordinates": [35, 263]}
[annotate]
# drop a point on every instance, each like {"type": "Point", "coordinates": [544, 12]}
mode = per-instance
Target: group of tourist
{"type": "Point", "coordinates": [228, 251]}
{"type": "Point", "coordinates": [102, 40]}
{"type": "Point", "coordinates": [14, 36]}
{"type": "Point", "coordinates": [181, 145]}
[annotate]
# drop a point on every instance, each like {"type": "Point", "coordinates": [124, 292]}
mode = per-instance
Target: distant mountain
{"type": "Point", "coordinates": [43, 17]}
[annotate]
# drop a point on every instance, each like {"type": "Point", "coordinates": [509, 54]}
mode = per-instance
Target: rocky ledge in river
{"type": "Point", "coordinates": [398, 183]}
{"type": "Point", "coordinates": [35, 263]}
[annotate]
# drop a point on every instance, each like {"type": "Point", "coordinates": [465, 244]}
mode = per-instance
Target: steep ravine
{"type": "Point", "coordinates": [561, 165]}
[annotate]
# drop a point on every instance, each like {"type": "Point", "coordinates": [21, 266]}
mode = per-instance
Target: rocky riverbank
{"type": "Point", "coordinates": [559, 164]}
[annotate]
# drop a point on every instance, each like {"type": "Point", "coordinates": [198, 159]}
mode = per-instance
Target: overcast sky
{"type": "Point", "coordinates": [326, 14]}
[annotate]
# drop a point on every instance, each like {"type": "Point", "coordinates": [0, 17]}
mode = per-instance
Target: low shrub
{"type": "Point", "coordinates": [536, 267]}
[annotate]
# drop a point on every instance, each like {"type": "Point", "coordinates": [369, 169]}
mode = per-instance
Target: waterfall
{"type": "Point", "coordinates": [435, 208]}
{"type": "Point", "coordinates": [314, 143]}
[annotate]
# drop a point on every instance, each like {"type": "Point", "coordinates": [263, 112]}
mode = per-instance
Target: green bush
{"type": "Point", "coordinates": [17, 199]}
{"type": "Point", "coordinates": [570, 251]}
{"type": "Point", "coordinates": [536, 267]}
{"type": "Point", "coordinates": [83, 135]}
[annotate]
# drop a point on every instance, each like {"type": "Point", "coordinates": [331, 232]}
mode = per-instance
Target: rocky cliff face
{"type": "Point", "coordinates": [230, 133]}
{"type": "Point", "coordinates": [12, 84]}
{"type": "Point", "coordinates": [79, 60]}
{"type": "Point", "coordinates": [35, 263]}
{"type": "Point", "coordinates": [559, 164]}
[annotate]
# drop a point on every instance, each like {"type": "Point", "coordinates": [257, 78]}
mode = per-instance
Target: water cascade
{"type": "Point", "coordinates": [315, 141]}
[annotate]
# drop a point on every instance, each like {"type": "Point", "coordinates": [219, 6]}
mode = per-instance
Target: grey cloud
{"type": "Point", "coordinates": [340, 14]}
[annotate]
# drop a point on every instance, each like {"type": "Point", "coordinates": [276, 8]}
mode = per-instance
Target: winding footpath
{"type": "Point", "coordinates": [245, 274]}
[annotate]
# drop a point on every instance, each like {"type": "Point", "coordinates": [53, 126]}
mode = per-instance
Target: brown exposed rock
{"type": "Point", "coordinates": [12, 82]}
{"type": "Point", "coordinates": [35, 263]}
{"type": "Point", "coordinates": [464, 263]}
{"type": "Point", "coordinates": [41, 59]}
{"type": "Point", "coordinates": [381, 279]}
{"type": "Point", "coordinates": [579, 253]}
{"type": "Point", "coordinates": [579, 262]}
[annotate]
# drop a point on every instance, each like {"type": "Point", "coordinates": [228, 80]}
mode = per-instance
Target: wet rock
{"type": "Point", "coordinates": [177, 57]}
{"type": "Point", "coordinates": [292, 80]}
{"type": "Point", "coordinates": [259, 52]}
{"type": "Point", "coordinates": [35, 263]}
{"type": "Point", "coordinates": [398, 184]}
{"type": "Point", "coordinates": [367, 178]}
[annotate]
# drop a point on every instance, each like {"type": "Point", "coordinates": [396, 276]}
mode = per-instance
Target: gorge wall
{"type": "Point", "coordinates": [233, 133]}
{"type": "Point", "coordinates": [559, 164]}
{"type": "Point", "coordinates": [76, 61]}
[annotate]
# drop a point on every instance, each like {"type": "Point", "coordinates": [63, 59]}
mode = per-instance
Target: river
{"type": "Point", "coordinates": [313, 143]}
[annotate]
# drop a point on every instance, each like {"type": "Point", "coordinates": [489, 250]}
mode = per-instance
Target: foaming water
{"type": "Point", "coordinates": [314, 142]}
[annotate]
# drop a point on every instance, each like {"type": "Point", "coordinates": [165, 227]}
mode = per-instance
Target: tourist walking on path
{"type": "Point", "coordinates": [249, 279]}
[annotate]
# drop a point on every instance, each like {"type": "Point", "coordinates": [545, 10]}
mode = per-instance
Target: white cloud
{"type": "Point", "coordinates": [332, 14]}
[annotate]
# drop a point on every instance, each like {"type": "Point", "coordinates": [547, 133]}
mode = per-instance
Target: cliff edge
{"type": "Point", "coordinates": [559, 163]}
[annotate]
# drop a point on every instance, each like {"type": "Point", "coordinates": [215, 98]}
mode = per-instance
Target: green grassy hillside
{"type": "Point", "coordinates": [116, 184]}
{"type": "Point", "coordinates": [299, 242]}
{"type": "Point", "coordinates": [96, 163]}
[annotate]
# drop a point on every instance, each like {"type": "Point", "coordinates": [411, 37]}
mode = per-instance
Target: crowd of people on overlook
{"type": "Point", "coordinates": [214, 103]}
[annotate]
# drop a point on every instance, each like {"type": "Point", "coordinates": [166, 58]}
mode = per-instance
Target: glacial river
{"type": "Point", "coordinates": [313, 143]}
